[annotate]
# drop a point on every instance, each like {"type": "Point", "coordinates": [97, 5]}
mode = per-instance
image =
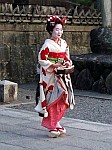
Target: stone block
{"type": "Point", "coordinates": [8, 91]}
{"type": "Point", "coordinates": [101, 40]}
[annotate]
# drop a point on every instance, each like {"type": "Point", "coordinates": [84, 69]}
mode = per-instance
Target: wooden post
{"type": "Point", "coordinates": [106, 8]}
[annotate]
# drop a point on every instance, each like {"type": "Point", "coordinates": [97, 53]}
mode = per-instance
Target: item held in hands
{"type": "Point", "coordinates": [60, 71]}
{"type": "Point", "coordinates": [64, 70]}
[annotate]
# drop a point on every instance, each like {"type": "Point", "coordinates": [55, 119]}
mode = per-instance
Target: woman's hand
{"type": "Point", "coordinates": [57, 65]}
{"type": "Point", "coordinates": [69, 70]}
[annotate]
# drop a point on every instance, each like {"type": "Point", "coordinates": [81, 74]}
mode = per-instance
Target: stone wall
{"type": "Point", "coordinates": [19, 44]}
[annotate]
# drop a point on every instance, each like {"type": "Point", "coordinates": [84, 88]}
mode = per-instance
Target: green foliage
{"type": "Point", "coordinates": [83, 2]}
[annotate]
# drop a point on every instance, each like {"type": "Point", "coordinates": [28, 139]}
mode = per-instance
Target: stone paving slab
{"type": "Point", "coordinates": [87, 125]}
{"type": "Point", "coordinates": [22, 130]}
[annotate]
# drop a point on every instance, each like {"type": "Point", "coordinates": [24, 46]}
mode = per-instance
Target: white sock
{"type": "Point", "coordinates": [58, 125]}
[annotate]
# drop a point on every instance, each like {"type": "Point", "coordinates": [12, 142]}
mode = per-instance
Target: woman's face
{"type": "Point", "coordinates": [57, 31]}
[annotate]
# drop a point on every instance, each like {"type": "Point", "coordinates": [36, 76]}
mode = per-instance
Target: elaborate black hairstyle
{"type": "Point", "coordinates": [52, 21]}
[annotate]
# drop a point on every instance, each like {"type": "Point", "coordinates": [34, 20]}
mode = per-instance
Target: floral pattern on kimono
{"type": "Point", "coordinates": [52, 86]}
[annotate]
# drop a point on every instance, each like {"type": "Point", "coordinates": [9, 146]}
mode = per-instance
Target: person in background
{"type": "Point", "coordinates": [56, 93]}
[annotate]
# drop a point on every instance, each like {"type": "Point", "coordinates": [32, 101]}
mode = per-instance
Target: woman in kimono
{"type": "Point", "coordinates": [56, 93]}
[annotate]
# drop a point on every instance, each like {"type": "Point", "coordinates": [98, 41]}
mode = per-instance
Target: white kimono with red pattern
{"type": "Point", "coordinates": [56, 93]}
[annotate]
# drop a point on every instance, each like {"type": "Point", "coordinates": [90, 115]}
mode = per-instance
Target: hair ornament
{"type": "Point", "coordinates": [53, 19]}
{"type": "Point", "coordinates": [64, 20]}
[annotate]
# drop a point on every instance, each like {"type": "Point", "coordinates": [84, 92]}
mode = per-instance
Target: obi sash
{"type": "Point", "coordinates": [53, 56]}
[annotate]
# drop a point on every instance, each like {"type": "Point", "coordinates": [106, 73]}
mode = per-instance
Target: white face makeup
{"type": "Point", "coordinates": [57, 31]}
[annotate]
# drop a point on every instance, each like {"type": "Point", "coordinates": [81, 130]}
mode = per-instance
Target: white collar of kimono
{"type": "Point", "coordinates": [49, 41]}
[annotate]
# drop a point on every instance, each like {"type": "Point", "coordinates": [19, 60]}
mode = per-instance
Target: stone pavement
{"type": "Point", "coordinates": [21, 130]}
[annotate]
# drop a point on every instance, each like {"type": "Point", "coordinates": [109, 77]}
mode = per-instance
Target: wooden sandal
{"type": "Point", "coordinates": [54, 133]}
